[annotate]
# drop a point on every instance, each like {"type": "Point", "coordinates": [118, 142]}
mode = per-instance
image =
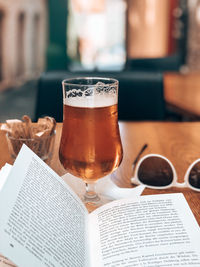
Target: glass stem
{"type": "Point", "coordinates": [90, 194]}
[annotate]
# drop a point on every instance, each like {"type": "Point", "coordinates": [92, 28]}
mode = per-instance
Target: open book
{"type": "Point", "coordinates": [43, 223]}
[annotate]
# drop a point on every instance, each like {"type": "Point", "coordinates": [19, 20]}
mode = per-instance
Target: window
{"type": "Point", "coordinates": [20, 45]}
{"type": "Point", "coordinates": [1, 44]}
{"type": "Point", "coordinates": [35, 42]}
{"type": "Point", "coordinates": [96, 39]}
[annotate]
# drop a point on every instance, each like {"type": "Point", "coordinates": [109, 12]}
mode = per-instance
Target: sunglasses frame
{"type": "Point", "coordinates": [135, 180]}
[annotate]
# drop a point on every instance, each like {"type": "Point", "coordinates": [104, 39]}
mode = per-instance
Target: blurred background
{"type": "Point", "coordinates": [43, 36]}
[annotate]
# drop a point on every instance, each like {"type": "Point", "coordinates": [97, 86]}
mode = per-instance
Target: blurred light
{"type": "Point", "coordinates": [150, 15]}
{"type": "Point", "coordinates": [88, 6]}
{"type": "Point", "coordinates": [198, 14]}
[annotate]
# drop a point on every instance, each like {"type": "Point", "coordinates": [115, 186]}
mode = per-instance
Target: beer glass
{"type": "Point", "coordinates": [90, 146]}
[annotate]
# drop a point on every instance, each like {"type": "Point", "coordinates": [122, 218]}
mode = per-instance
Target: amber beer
{"type": "Point", "coordinates": [90, 143]}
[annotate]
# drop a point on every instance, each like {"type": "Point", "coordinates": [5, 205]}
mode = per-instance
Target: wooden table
{"type": "Point", "coordinates": [182, 94]}
{"type": "Point", "coordinates": [179, 142]}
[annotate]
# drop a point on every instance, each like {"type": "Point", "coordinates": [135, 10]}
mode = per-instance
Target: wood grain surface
{"type": "Point", "coordinates": [179, 142]}
{"type": "Point", "coordinates": [182, 93]}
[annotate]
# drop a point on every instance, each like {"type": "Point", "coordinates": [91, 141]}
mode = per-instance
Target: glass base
{"type": "Point", "coordinates": [92, 199]}
{"type": "Point", "coordinates": [96, 202]}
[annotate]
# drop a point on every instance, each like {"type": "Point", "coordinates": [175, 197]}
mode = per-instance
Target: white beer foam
{"type": "Point", "coordinates": [91, 101]}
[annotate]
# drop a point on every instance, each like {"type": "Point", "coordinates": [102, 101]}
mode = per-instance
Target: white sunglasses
{"type": "Point", "coordinates": [157, 172]}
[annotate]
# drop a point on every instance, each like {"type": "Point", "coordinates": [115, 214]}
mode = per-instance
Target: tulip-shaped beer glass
{"type": "Point", "coordinates": [90, 146]}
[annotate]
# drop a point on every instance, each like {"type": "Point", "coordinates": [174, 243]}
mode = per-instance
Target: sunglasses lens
{"type": "Point", "coordinates": [194, 176]}
{"type": "Point", "coordinates": [155, 171]}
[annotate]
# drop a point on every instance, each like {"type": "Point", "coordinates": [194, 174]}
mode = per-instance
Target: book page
{"type": "Point", "coordinates": [4, 172]}
{"type": "Point", "coordinates": [157, 230]}
{"type": "Point", "coordinates": [42, 222]}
